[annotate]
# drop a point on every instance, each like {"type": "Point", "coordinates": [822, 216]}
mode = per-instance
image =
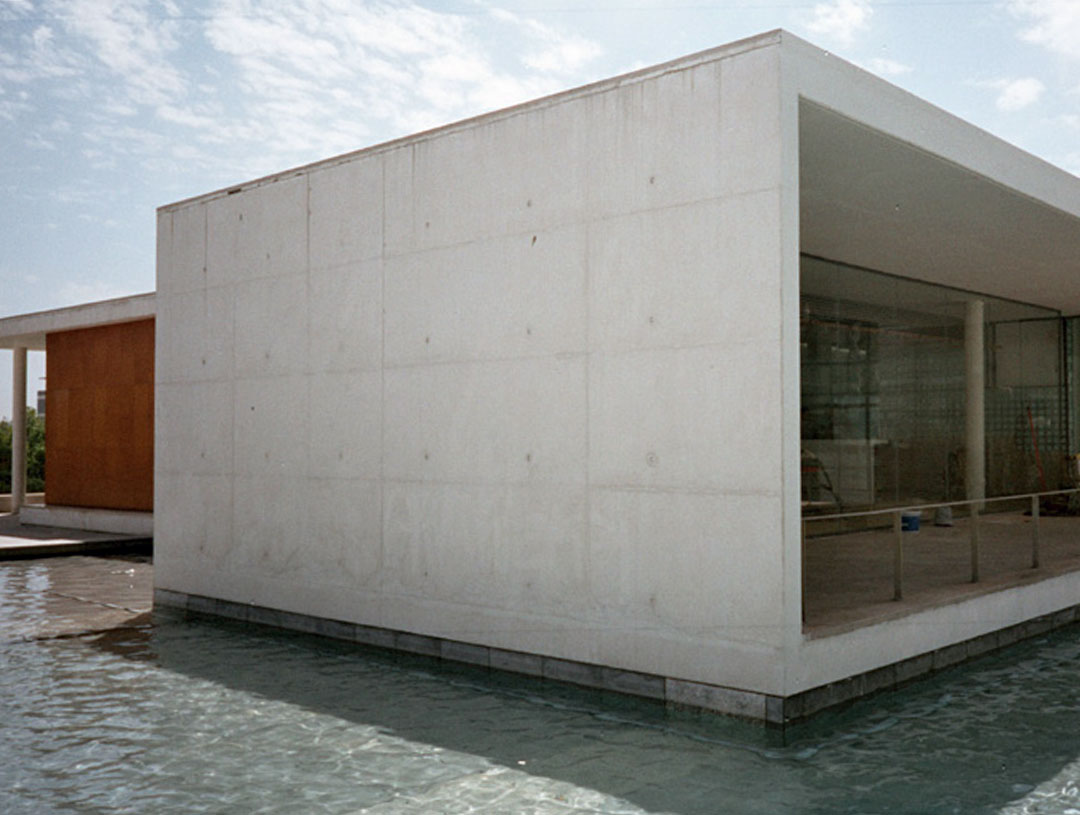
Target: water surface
{"type": "Point", "coordinates": [166, 714]}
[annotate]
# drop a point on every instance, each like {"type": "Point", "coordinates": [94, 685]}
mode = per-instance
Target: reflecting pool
{"type": "Point", "coordinates": [170, 715]}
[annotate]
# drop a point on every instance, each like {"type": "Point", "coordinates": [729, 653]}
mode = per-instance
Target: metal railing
{"type": "Point", "coordinates": [975, 508]}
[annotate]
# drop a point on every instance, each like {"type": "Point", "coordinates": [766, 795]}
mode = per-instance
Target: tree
{"type": "Point", "coordinates": [35, 453]}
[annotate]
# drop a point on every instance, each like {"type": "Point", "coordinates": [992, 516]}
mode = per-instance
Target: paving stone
{"type": "Point", "coordinates": [949, 655]}
{"type": "Point", "coordinates": [649, 686]}
{"type": "Point", "coordinates": [1038, 626]}
{"type": "Point", "coordinates": [335, 629]}
{"type": "Point", "coordinates": [1009, 636]}
{"type": "Point", "coordinates": [465, 652]}
{"type": "Point", "coordinates": [913, 668]}
{"type": "Point", "coordinates": [712, 697]}
{"type": "Point", "coordinates": [878, 680]}
{"type": "Point", "coordinates": [418, 644]}
{"type": "Point", "coordinates": [378, 637]}
{"type": "Point", "coordinates": [577, 673]}
{"type": "Point", "coordinates": [516, 662]}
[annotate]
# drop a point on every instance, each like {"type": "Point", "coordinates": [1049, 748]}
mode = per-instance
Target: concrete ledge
{"type": "Point", "coordinates": [683, 694]}
{"type": "Point", "coordinates": [31, 498]}
{"type": "Point", "coordinates": [34, 549]}
{"type": "Point", "coordinates": [516, 662]}
{"type": "Point", "coordinates": [694, 695]}
{"type": "Point", "coordinates": [119, 522]}
{"type": "Point", "coordinates": [677, 693]}
{"type": "Point", "coordinates": [899, 674]}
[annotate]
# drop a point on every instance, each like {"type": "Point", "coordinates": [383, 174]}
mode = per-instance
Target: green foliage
{"type": "Point", "coordinates": [35, 453]}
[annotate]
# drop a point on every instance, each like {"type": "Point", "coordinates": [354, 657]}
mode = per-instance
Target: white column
{"type": "Point", "coordinates": [18, 428]}
{"type": "Point", "coordinates": [975, 415]}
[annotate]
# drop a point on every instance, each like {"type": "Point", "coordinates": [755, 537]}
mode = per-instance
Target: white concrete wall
{"type": "Point", "coordinates": [517, 382]}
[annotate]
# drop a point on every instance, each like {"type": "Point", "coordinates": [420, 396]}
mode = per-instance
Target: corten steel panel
{"type": "Point", "coordinates": [99, 401]}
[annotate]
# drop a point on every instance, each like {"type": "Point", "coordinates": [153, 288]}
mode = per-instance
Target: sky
{"type": "Point", "coordinates": [112, 108]}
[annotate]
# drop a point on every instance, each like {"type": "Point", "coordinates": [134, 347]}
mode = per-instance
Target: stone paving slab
{"type": "Point", "coordinates": [18, 541]}
{"type": "Point", "coordinates": [73, 596]}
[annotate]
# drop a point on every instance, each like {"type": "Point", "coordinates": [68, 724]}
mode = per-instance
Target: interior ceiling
{"type": "Point", "coordinates": [870, 200]}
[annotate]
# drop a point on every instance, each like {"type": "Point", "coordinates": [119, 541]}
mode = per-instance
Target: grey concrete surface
{"type": "Point", "coordinates": [18, 541]}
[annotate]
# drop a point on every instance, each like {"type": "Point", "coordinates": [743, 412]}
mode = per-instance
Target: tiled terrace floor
{"type": "Point", "coordinates": [849, 577]}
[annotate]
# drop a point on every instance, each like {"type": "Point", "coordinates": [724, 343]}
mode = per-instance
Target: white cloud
{"type": "Point", "coordinates": [840, 20]}
{"type": "Point", "coordinates": [188, 117]}
{"type": "Point", "coordinates": [248, 87]}
{"type": "Point", "coordinates": [16, 5]}
{"type": "Point", "coordinates": [86, 217]}
{"type": "Point", "coordinates": [97, 159]}
{"type": "Point", "coordinates": [1015, 94]}
{"type": "Point", "coordinates": [563, 56]}
{"type": "Point", "coordinates": [114, 107]}
{"type": "Point", "coordinates": [76, 194]}
{"type": "Point", "coordinates": [73, 292]}
{"type": "Point", "coordinates": [11, 110]}
{"type": "Point", "coordinates": [456, 67]}
{"type": "Point", "coordinates": [40, 58]}
{"type": "Point", "coordinates": [35, 141]}
{"type": "Point", "coordinates": [124, 139]}
{"type": "Point", "coordinates": [888, 67]}
{"type": "Point", "coordinates": [1053, 24]}
{"type": "Point", "coordinates": [317, 77]}
{"type": "Point", "coordinates": [554, 51]}
{"type": "Point", "coordinates": [133, 44]}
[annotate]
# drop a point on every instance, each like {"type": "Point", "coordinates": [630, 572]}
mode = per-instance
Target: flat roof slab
{"type": "Point", "coordinates": [29, 330]}
{"type": "Point", "coordinates": [871, 200]}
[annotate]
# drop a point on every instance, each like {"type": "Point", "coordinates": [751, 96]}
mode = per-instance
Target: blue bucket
{"type": "Point", "coordinates": [909, 521]}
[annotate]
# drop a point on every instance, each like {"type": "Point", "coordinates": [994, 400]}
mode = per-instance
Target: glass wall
{"type": "Point", "coordinates": [883, 391]}
{"type": "Point", "coordinates": [1072, 384]}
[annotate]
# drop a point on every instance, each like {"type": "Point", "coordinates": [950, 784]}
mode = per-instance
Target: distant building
{"type": "Point", "coordinates": [99, 445]}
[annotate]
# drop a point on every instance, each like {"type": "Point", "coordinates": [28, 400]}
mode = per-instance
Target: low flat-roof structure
{"type": "Point", "coordinates": [560, 388]}
{"type": "Point", "coordinates": [100, 396]}
{"type": "Point", "coordinates": [31, 331]}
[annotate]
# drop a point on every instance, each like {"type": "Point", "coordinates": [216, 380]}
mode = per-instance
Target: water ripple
{"type": "Point", "coordinates": [189, 717]}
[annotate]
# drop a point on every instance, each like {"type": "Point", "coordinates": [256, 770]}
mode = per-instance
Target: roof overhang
{"type": "Point", "coordinates": [890, 182]}
{"type": "Point", "coordinates": [30, 330]}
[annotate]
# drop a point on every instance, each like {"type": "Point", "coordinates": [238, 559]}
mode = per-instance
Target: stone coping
{"type": "Point", "coordinates": [679, 693]}
{"type": "Point", "coordinates": [31, 498]}
{"type": "Point", "coordinates": [115, 521]}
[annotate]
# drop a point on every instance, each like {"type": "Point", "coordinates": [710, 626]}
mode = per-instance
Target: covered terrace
{"type": "Point", "coordinates": [939, 296]}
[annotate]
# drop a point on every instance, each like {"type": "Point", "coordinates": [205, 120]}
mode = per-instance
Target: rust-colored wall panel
{"type": "Point", "coordinates": [99, 409]}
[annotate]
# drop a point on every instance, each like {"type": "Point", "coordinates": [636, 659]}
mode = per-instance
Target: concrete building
{"type": "Point", "coordinates": [558, 389]}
